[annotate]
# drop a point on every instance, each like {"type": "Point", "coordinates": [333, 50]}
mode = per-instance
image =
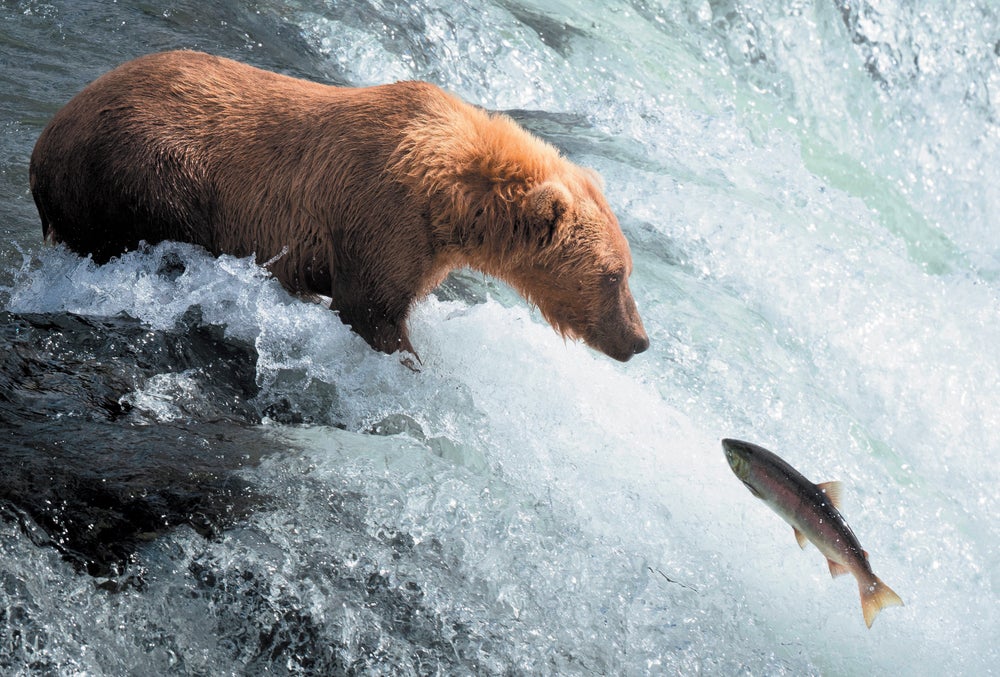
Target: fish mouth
{"type": "Point", "coordinates": [736, 455]}
{"type": "Point", "coordinates": [731, 449]}
{"type": "Point", "coordinates": [733, 446]}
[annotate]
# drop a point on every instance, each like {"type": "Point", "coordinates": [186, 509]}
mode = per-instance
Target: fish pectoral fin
{"type": "Point", "coordinates": [832, 491]}
{"type": "Point", "coordinates": [800, 537]}
{"type": "Point", "coordinates": [753, 490]}
{"type": "Point", "coordinates": [837, 569]}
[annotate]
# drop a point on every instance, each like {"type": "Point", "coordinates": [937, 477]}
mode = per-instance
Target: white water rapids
{"type": "Point", "coordinates": [810, 190]}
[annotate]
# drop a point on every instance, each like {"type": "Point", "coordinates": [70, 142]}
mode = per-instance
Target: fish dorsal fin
{"type": "Point", "coordinates": [800, 537]}
{"type": "Point", "coordinates": [837, 569]}
{"type": "Point", "coordinates": [832, 491]}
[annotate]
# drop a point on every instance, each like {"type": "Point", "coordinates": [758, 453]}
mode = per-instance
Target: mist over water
{"type": "Point", "coordinates": [810, 192]}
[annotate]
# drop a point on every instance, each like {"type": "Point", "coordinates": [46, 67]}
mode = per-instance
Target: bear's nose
{"type": "Point", "coordinates": [640, 344]}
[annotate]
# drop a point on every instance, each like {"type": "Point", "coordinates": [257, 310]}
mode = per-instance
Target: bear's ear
{"type": "Point", "coordinates": [543, 205]}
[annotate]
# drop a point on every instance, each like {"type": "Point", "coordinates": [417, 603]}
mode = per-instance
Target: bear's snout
{"type": "Point", "coordinates": [621, 335]}
{"type": "Point", "coordinates": [625, 347]}
{"type": "Point", "coordinates": [640, 344]}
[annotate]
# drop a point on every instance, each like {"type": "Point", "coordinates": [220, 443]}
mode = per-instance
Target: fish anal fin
{"type": "Point", "coordinates": [833, 491]}
{"type": "Point", "coordinates": [875, 596]}
{"type": "Point", "coordinates": [837, 569]}
{"type": "Point", "coordinates": [800, 538]}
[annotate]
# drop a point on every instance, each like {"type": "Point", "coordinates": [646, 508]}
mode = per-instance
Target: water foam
{"type": "Point", "coordinates": [809, 281]}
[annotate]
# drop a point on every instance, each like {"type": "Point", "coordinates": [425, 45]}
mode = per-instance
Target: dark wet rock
{"type": "Point", "coordinates": [72, 487]}
{"type": "Point", "coordinates": [85, 473]}
{"type": "Point", "coordinates": [551, 30]}
{"type": "Point", "coordinates": [56, 366]}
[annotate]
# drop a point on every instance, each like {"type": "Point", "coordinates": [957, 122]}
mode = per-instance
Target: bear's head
{"type": "Point", "coordinates": [507, 203]}
{"type": "Point", "coordinates": [576, 266]}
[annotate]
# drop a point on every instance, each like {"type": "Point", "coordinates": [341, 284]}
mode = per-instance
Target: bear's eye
{"type": "Point", "coordinates": [612, 279]}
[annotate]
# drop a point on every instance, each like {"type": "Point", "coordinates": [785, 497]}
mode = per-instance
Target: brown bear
{"type": "Point", "coordinates": [367, 195]}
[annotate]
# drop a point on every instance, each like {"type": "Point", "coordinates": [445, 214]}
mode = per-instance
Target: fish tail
{"type": "Point", "coordinates": [876, 595]}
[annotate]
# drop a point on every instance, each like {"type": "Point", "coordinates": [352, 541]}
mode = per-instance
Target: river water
{"type": "Point", "coordinates": [204, 475]}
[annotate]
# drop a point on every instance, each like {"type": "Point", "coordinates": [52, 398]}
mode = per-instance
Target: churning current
{"type": "Point", "coordinates": [202, 474]}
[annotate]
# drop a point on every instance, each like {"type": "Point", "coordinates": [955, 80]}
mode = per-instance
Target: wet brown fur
{"type": "Point", "coordinates": [367, 195]}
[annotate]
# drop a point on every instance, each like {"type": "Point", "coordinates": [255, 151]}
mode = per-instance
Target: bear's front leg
{"type": "Point", "coordinates": [383, 328]}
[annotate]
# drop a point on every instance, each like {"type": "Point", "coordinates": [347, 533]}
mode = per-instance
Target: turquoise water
{"type": "Point", "coordinates": [810, 192]}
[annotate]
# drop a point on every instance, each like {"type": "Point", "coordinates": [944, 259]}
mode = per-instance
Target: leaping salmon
{"type": "Point", "coordinates": [812, 511]}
